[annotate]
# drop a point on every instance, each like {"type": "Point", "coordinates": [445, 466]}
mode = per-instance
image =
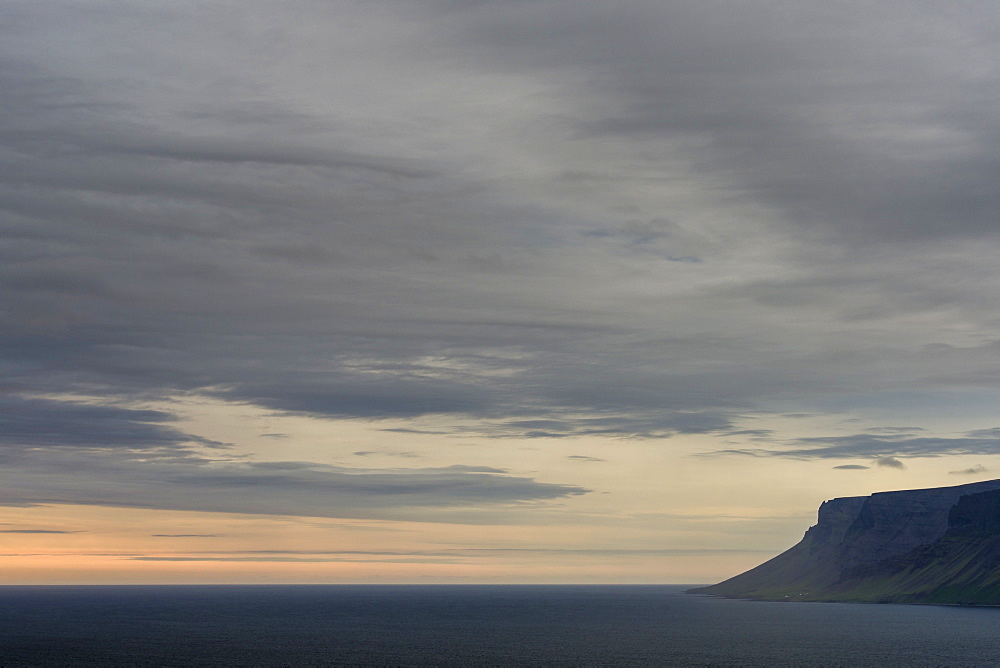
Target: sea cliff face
{"type": "Point", "coordinates": [834, 520]}
{"type": "Point", "coordinates": [938, 545]}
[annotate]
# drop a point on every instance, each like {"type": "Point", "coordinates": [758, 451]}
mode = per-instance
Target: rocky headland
{"type": "Point", "coordinates": [938, 545]}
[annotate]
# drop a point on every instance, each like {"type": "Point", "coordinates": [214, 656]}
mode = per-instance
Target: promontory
{"type": "Point", "coordinates": [939, 545]}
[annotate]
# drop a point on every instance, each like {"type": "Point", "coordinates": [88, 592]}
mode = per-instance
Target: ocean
{"type": "Point", "coordinates": [471, 625]}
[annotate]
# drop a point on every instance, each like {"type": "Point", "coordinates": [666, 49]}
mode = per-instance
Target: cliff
{"type": "Point", "coordinates": [938, 545]}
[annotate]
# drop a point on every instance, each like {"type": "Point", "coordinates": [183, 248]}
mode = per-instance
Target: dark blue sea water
{"type": "Point", "coordinates": [473, 626]}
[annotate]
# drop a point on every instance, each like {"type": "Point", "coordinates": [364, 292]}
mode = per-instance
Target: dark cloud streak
{"type": "Point", "coordinates": [39, 531]}
{"type": "Point", "coordinates": [882, 449]}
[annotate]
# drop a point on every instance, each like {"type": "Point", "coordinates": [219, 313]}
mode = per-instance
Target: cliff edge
{"type": "Point", "coordinates": [939, 545]}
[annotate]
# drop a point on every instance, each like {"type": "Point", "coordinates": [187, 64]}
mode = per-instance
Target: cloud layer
{"type": "Point", "coordinates": [524, 220]}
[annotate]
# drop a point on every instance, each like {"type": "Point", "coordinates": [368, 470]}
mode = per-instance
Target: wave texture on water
{"type": "Point", "coordinates": [339, 625]}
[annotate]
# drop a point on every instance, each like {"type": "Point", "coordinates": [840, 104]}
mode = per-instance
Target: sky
{"type": "Point", "coordinates": [455, 291]}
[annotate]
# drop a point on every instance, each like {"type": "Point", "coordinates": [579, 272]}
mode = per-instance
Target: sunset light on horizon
{"type": "Point", "coordinates": [454, 292]}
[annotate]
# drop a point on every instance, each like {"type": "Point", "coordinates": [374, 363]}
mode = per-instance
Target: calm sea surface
{"type": "Point", "coordinates": [474, 626]}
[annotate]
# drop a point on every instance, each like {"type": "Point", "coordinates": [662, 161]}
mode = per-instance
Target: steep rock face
{"type": "Point", "coordinates": [976, 513]}
{"type": "Point", "coordinates": [834, 519]}
{"type": "Point", "coordinates": [962, 566]}
{"type": "Point", "coordinates": [893, 523]}
{"type": "Point", "coordinates": [859, 541]}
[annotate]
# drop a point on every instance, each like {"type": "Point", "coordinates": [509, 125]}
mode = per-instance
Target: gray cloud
{"type": "Point", "coordinates": [896, 430]}
{"type": "Point", "coordinates": [972, 470]}
{"type": "Point", "coordinates": [545, 220]}
{"type": "Point", "coordinates": [985, 433]}
{"type": "Point", "coordinates": [753, 434]}
{"type": "Point", "coordinates": [278, 488]}
{"type": "Point", "coordinates": [425, 556]}
{"type": "Point", "coordinates": [890, 462]}
{"type": "Point", "coordinates": [35, 531]}
{"type": "Point", "coordinates": [46, 423]}
{"type": "Point", "coordinates": [69, 452]}
{"type": "Point", "coordinates": [753, 91]}
{"type": "Point", "coordinates": [284, 559]}
{"type": "Point", "coordinates": [878, 448]}
{"type": "Point", "coordinates": [852, 467]}
{"type": "Point", "coordinates": [406, 430]}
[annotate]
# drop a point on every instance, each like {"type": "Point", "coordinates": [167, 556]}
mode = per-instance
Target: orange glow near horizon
{"type": "Point", "coordinates": [130, 546]}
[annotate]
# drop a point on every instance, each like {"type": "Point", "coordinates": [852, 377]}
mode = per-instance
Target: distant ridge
{"type": "Point", "coordinates": [939, 545]}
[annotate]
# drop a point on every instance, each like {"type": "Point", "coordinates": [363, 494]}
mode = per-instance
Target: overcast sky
{"type": "Point", "coordinates": [518, 290]}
